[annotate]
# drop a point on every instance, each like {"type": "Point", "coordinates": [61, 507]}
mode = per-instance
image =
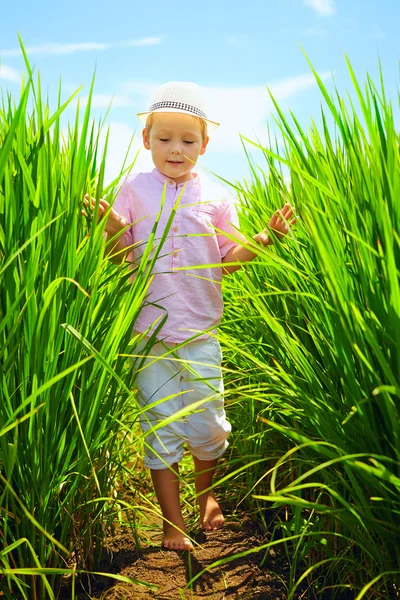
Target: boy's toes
{"type": "Point", "coordinates": [187, 545]}
{"type": "Point", "coordinates": [211, 514]}
{"type": "Point", "coordinates": [184, 545]}
{"type": "Point", "coordinates": [214, 525]}
{"type": "Point", "coordinates": [206, 526]}
{"type": "Point", "coordinates": [218, 522]}
{"type": "Point", "coordinates": [178, 544]}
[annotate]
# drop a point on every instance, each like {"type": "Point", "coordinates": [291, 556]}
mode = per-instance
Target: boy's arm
{"type": "Point", "coordinates": [279, 223]}
{"type": "Point", "coordinates": [115, 225]}
{"type": "Point", "coordinates": [241, 254]}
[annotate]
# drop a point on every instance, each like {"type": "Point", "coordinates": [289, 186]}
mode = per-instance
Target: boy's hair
{"type": "Point", "coordinates": [203, 124]}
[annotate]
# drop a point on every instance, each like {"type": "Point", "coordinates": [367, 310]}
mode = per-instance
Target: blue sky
{"type": "Point", "coordinates": [234, 50]}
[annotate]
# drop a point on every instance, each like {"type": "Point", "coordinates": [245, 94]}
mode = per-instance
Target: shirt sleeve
{"type": "Point", "coordinates": [124, 204]}
{"type": "Point", "coordinates": [228, 223]}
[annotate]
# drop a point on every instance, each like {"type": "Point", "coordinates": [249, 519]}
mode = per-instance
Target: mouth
{"type": "Point", "coordinates": [174, 162]}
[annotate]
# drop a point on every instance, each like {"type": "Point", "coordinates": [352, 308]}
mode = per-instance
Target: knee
{"type": "Point", "coordinates": [209, 438]}
{"type": "Point", "coordinates": [162, 448]}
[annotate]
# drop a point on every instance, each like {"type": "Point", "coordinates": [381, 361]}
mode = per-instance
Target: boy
{"type": "Point", "coordinates": [204, 232]}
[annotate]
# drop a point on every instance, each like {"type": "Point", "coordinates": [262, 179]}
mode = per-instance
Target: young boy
{"type": "Point", "coordinates": [189, 374]}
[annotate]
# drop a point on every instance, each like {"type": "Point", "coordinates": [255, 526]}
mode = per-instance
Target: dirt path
{"type": "Point", "coordinates": [169, 571]}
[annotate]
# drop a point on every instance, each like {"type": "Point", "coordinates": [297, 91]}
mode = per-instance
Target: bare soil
{"type": "Point", "coordinates": [260, 575]}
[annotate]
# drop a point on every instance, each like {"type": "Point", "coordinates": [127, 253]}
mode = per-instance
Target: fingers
{"type": "Point", "coordinates": [285, 214]}
{"type": "Point", "coordinates": [115, 222]}
{"type": "Point", "coordinates": [281, 220]}
{"type": "Point", "coordinates": [264, 238]}
{"type": "Point", "coordinates": [286, 211]}
{"type": "Point", "coordinates": [91, 203]}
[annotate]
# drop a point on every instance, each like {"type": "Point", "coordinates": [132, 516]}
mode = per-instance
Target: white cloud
{"type": "Point", "coordinates": [58, 49]}
{"type": "Point", "coordinates": [323, 7]}
{"type": "Point", "coordinates": [314, 32]}
{"type": "Point", "coordinates": [245, 110]}
{"type": "Point", "coordinates": [292, 85]}
{"type": "Point", "coordinates": [149, 41]}
{"type": "Point", "coordinates": [9, 73]}
{"type": "Point", "coordinates": [104, 100]}
{"type": "Point", "coordinates": [54, 49]}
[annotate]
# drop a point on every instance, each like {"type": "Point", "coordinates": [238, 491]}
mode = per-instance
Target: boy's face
{"type": "Point", "coordinates": [176, 142]}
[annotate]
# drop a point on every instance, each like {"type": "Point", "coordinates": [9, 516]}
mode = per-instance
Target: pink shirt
{"type": "Point", "coordinates": [191, 298]}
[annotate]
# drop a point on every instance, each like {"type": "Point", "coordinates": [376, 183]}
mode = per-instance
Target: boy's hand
{"type": "Point", "coordinates": [115, 222]}
{"type": "Point", "coordinates": [279, 223]}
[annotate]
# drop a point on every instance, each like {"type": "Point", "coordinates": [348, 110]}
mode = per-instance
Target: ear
{"type": "Point", "coordinates": [146, 139]}
{"type": "Point", "coordinates": [204, 146]}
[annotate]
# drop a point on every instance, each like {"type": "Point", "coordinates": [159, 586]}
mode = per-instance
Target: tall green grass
{"type": "Point", "coordinates": [310, 334]}
{"type": "Point", "coordinates": [315, 371]}
{"type": "Point", "coordinates": [66, 316]}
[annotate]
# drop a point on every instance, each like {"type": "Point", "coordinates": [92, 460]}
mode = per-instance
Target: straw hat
{"type": "Point", "coordinates": [179, 97]}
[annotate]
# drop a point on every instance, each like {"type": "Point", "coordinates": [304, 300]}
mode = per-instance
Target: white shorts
{"type": "Point", "coordinates": [189, 380]}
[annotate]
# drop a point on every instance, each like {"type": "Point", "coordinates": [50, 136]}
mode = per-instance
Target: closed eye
{"type": "Point", "coordinates": [164, 140]}
{"type": "Point", "coordinates": [187, 142]}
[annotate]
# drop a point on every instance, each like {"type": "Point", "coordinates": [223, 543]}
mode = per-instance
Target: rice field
{"type": "Point", "coordinates": [311, 338]}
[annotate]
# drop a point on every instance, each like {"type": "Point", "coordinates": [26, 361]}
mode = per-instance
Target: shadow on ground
{"type": "Point", "coordinates": [261, 575]}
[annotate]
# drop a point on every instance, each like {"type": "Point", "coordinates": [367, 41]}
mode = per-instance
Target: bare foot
{"type": "Point", "coordinates": [211, 516]}
{"type": "Point", "coordinates": [175, 540]}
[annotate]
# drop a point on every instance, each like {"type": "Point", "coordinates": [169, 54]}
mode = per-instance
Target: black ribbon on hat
{"type": "Point", "coordinates": [178, 105]}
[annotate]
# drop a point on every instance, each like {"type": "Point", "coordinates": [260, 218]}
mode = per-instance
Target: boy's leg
{"type": "Point", "coordinates": [211, 516]}
{"type": "Point", "coordinates": [207, 427]}
{"type": "Point", "coordinates": [156, 381]}
{"type": "Point", "coordinates": [166, 485]}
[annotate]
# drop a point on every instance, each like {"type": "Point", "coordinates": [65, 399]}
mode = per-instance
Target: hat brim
{"type": "Point", "coordinates": [211, 125]}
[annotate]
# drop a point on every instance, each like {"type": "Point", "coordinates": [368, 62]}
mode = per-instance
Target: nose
{"type": "Point", "coordinates": [176, 148]}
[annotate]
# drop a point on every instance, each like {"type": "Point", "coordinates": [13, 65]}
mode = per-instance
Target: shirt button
{"type": "Point", "coordinates": [176, 228]}
{"type": "Point", "coordinates": [175, 254]}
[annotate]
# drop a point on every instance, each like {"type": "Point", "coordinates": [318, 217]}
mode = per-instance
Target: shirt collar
{"type": "Point", "coordinates": [195, 181]}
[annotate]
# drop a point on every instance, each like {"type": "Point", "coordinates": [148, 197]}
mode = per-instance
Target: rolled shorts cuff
{"type": "Point", "coordinates": [217, 453]}
{"type": "Point", "coordinates": [155, 463]}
